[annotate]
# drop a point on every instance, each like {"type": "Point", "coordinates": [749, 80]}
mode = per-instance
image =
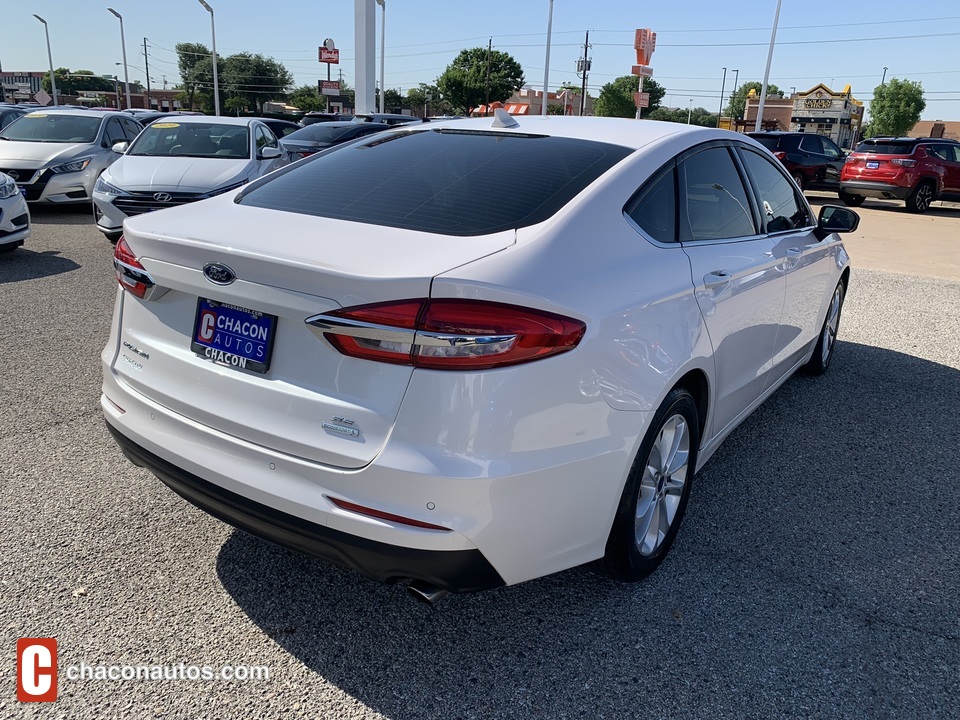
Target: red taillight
{"type": "Point", "coordinates": [381, 515]}
{"type": "Point", "coordinates": [903, 162]}
{"type": "Point", "coordinates": [448, 334]}
{"type": "Point", "coordinates": [780, 155]}
{"type": "Point", "coordinates": [132, 276]}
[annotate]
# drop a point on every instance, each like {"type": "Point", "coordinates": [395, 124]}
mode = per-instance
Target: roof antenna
{"type": "Point", "coordinates": [503, 119]}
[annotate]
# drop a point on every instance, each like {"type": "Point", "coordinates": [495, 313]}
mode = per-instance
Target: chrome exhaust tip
{"type": "Point", "coordinates": [429, 594]}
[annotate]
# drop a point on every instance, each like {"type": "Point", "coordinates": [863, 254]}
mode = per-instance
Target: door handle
{"type": "Point", "coordinates": [716, 278]}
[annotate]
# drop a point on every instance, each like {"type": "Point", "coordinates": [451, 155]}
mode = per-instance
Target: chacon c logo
{"type": "Point", "coordinates": [36, 669]}
{"type": "Point", "coordinates": [218, 273]}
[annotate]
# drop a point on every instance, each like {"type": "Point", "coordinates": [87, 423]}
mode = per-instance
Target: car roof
{"type": "Point", "coordinates": [81, 112]}
{"type": "Point", "coordinates": [627, 132]}
{"type": "Point", "coordinates": [216, 119]}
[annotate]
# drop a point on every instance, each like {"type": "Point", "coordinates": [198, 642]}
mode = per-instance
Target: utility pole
{"type": "Point", "coordinates": [486, 107]}
{"type": "Point", "coordinates": [146, 66]}
{"type": "Point", "coordinates": [723, 86]}
{"type": "Point", "coordinates": [583, 69]}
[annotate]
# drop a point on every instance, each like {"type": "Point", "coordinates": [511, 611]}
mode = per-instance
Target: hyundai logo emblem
{"type": "Point", "coordinates": [162, 197]}
{"type": "Point", "coordinates": [218, 273]}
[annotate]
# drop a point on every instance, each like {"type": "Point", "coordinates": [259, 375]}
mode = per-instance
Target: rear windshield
{"type": "Point", "coordinates": [452, 182]}
{"type": "Point", "coordinates": [770, 143]}
{"type": "Point", "coordinates": [321, 132]}
{"type": "Point", "coordinates": [886, 147]}
{"type": "Point", "coordinates": [54, 127]}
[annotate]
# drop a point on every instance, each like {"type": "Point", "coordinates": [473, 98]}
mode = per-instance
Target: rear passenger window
{"type": "Point", "coordinates": [779, 204]}
{"type": "Point", "coordinates": [654, 207]}
{"type": "Point", "coordinates": [714, 203]}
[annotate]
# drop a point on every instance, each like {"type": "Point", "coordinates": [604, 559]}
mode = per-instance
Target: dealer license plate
{"type": "Point", "coordinates": [233, 336]}
{"type": "Point", "coordinates": [872, 164]}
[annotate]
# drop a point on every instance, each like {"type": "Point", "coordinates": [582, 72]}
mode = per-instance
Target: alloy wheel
{"type": "Point", "coordinates": [662, 484]}
{"type": "Point", "coordinates": [831, 326]}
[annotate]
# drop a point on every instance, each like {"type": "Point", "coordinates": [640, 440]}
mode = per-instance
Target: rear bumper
{"type": "Point", "coordinates": [453, 570]}
{"type": "Point", "coordinates": [874, 189]}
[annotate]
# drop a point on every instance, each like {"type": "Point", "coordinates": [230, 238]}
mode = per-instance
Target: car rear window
{"type": "Point", "coordinates": [886, 147]}
{"type": "Point", "coordinates": [770, 143]}
{"type": "Point", "coordinates": [446, 181]}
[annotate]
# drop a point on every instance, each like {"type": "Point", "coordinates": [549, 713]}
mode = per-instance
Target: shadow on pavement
{"type": "Point", "coordinates": [81, 214]}
{"type": "Point", "coordinates": [25, 264]}
{"type": "Point", "coordinates": [815, 576]}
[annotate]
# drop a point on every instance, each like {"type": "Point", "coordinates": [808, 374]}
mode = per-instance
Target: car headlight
{"type": "Point", "coordinates": [8, 188]}
{"type": "Point", "coordinates": [103, 186]}
{"type": "Point", "coordinates": [72, 166]}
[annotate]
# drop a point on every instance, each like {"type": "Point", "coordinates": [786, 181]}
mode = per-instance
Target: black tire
{"type": "Point", "coordinates": [655, 494]}
{"type": "Point", "coordinates": [851, 200]}
{"type": "Point", "coordinates": [923, 194]}
{"type": "Point", "coordinates": [827, 342]}
{"type": "Point", "coordinates": [798, 179]}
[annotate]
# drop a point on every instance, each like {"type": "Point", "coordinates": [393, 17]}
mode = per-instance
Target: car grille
{"type": "Point", "coordinates": [137, 203]}
{"type": "Point", "coordinates": [22, 175]}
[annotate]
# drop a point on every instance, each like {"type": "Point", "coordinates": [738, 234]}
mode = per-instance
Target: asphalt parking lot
{"type": "Point", "coordinates": [816, 574]}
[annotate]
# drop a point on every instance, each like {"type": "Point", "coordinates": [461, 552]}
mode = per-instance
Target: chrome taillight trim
{"type": "Point", "coordinates": [322, 324]}
{"type": "Point", "coordinates": [139, 275]}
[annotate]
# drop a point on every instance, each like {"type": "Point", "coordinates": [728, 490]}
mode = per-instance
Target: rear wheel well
{"type": "Point", "coordinates": [695, 382]}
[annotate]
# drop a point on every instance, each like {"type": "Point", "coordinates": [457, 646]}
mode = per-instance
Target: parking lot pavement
{"type": "Point", "coordinates": [815, 576]}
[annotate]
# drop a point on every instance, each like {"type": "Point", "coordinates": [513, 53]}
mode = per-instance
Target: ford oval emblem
{"type": "Point", "coordinates": [218, 273]}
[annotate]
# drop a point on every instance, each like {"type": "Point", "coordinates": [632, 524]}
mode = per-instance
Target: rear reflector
{"type": "Point", "coordinates": [381, 515]}
{"type": "Point", "coordinates": [448, 334]}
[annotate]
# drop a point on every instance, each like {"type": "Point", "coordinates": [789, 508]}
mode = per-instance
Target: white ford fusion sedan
{"type": "Point", "coordinates": [465, 355]}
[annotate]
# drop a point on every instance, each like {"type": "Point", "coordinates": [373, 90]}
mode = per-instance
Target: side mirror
{"type": "Point", "coordinates": [269, 153]}
{"type": "Point", "coordinates": [120, 147]}
{"type": "Point", "coordinates": [836, 219]}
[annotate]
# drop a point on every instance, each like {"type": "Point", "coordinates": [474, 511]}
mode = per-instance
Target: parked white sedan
{"type": "Point", "coordinates": [14, 215]}
{"type": "Point", "coordinates": [182, 160]}
{"type": "Point", "coordinates": [468, 355]}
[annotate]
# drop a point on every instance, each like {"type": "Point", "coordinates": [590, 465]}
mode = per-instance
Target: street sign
{"type": "Point", "coordinates": [329, 87]}
{"type": "Point", "coordinates": [641, 100]}
{"type": "Point", "coordinates": [329, 56]}
{"type": "Point", "coordinates": [42, 97]}
{"type": "Point", "coordinates": [642, 70]}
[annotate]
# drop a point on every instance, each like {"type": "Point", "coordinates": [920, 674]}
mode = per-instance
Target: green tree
{"type": "Point", "coordinates": [696, 116]}
{"type": "Point", "coordinates": [616, 98]}
{"type": "Point", "coordinates": [71, 82]}
{"type": "Point", "coordinates": [307, 98]}
{"type": "Point", "coordinates": [194, 61]}
{"type": "Point", "coordinates": [254, 80]}
{"type": "Point", "coordinates": [896, 107]}
{"type": "Point", "coordinates": [477, 76]}
{"type": "Point", "coordinates": [738, 101]}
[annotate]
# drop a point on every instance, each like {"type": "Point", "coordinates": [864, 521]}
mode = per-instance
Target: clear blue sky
{"type": "Point", "coordinates": [833, 42]}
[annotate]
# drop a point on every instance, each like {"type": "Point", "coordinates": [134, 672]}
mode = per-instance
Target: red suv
{"type": "Point", "coordinates": [916, 170]}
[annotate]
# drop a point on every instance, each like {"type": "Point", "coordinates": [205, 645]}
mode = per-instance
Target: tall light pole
{"type": "Point", "coordinates": [723, 86]}
{"type": "Point", "coordinates": [383, 46]}
{"type": "Point", "coordinates": [690, 111]}
{"type": "Point", "coordinates": [884, 78]}
{"type": "Point", "coordinates": [546, 62]}
{"type": "Point", "coordinates": [53, 80]}
{"type": "Point", "coordinates": [736, 79]}
{"type": "Point", "coordinates": [766, 73]}
{"type": "Point", "coordinates": [123, 47]}
{"type": "Point", "coordinates": [213, 36]}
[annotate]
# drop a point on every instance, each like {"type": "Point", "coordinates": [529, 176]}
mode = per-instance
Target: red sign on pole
{"type": "Point", "coordinates": [641, 100]}
{"type": "Point", "coordinates": [645, 42]}
{"type": "Point", "coordinates": [329, 56]}
{"type": "Point", "coordinates": [329, 87]}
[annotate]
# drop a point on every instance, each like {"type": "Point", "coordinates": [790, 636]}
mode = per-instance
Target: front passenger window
{"type": "Point", "coordinates": [779, 204]}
